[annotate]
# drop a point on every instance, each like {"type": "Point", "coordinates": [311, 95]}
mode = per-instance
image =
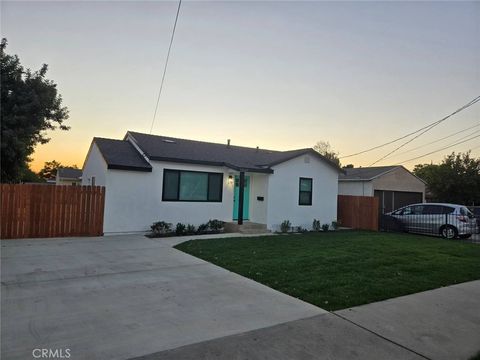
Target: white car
{"type": "Point", "coordinates": [447, 220]}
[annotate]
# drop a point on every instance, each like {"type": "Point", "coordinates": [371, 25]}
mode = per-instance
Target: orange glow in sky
{"type": "Point", "coordinates": [279, 75]}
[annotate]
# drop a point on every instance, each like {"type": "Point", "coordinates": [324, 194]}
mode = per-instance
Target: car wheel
{"type": "Point", "coordinates": [448, 232]}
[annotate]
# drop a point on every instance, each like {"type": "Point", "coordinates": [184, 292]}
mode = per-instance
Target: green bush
{"type": "Point", "coordinates": [215, 225]}
{"type": "Point", "coordinates": [180, 229]}
{"type": "Point", "coordinates": [334, 225]}
{"type": "Point", "coordinates": [161, 228]}
{"type": "Point", "coordinates": [325, 227]}
{"type": "Point", "coordinates": [190, 230]}
{"type": "Point", "coordinates": [285, 226]}
{"type": "Point", "coordinates": [316, 225]}
{"type": "Point", "coordinates": [202, 228]}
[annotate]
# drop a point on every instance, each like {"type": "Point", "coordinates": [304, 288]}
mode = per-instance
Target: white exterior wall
{"type": "Point", "coordinates": [356, 188]}
{"type": "Point", "coordinates": [63, 181]}
{"type": "Point", "coordinates": [133, 200]}
{"type": "Point", "coordinates": [283, 193]}
{"type": "Point", "coordinates": [94, 165]}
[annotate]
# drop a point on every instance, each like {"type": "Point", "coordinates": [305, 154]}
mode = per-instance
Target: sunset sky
{"type": "Point", "coordinates": [280, 75]}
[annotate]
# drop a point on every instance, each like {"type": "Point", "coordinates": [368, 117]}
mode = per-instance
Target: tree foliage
{"type": "Point", "coordinates": [455, 180]}
{"type": "Point", "coordinates": [30, 105]}
{"type": "Point", "coordinates": [49, 170]}
{"type": "Point", "coordinates": [324, 148]}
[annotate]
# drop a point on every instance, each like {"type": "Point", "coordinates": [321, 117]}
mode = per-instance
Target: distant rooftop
{"type": "Point", "coordinates": [69, 173]}
{"type": "Point", "coordinates": [366, 173]}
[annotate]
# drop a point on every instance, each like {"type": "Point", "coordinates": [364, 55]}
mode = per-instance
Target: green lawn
{"type": "Point", "coordinates": [336, 270]}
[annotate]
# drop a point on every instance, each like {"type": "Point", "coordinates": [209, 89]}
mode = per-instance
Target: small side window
{"type": "Point", "coordinates": [305, 191]}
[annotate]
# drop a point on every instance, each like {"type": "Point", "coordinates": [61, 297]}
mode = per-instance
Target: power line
{"type": "Point", "coordinates": [435, 151]}
{"type": "Point", "coordinates": [414, 132]}
{"type": "Point", "coordinates": [443, 138]}
{"type": "Point", "coordinates": [166, 65]}
{"type": "Point", "coordinates": [428, 129]}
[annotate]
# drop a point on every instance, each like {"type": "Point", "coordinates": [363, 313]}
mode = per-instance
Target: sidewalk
{"type": "Point", "coordinates": [437, 324]}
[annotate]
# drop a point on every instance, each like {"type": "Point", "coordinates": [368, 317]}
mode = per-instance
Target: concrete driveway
{"type": "Point", "coordinates": [125, 296]}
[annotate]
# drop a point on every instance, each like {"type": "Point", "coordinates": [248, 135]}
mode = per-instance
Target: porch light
{"type": "Point", "coordinates": [230, 179]}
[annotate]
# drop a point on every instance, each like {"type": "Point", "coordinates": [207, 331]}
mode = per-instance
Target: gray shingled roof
{"type": "Point", "coordinates": [164, 148]}
{"type": "Point", "coordinates": [121, 155]}
{"type": "Point", "coordinates": [69, 173]}
{"type": "Point", "coordinates": [366, 173]}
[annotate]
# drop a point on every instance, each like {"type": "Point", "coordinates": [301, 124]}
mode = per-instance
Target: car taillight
{"type": "Point", "coordinates": [462, 218]}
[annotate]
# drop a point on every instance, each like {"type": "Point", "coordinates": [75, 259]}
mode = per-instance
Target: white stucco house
{"type": "Point", "coordinates": [151, 178]}
{"type": "Point", "coordinates": [394, 185]}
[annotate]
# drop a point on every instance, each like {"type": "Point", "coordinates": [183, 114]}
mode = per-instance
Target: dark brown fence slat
{"type": "Point", "coordinates": [30, 211]}
{"type": "Point", "coordinates": [358, 212]}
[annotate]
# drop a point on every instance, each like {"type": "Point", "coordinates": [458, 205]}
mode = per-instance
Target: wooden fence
{"type": "Point", "coordinates": [358, 212]}
{"type": "Point", "coordinates": [30, 211]}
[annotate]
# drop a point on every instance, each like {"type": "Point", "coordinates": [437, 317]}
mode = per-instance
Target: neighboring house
{"type": "Point", "coordinates": [151, 178]}
{"type": "Point", "coordinates": [395, 186]}
{"type": "Point", "coordinates": [68, 176]}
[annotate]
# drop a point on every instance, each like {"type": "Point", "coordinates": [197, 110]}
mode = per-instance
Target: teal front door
{"type": "Point", "coordinates": [246, 197]}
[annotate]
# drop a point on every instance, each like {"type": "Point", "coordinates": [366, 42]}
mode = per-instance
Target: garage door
{"type": "Point", "coordinates": [392, 200]}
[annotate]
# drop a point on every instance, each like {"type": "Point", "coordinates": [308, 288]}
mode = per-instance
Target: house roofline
{"type": "Point", "coordinates": [211, 163]}
{"type": "Point", "coordinates": [311, 152]}
{"type": "Point", "coordinates": [384, 173]}
{"type": "Point", "coordinates": [268, 170]}
{"type": "Point", "coordinates": [113, 166]}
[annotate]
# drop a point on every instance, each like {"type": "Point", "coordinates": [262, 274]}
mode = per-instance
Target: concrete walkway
{"type": "Point", "coordinates": [120, 297]}
{"type": "Point", "coordinates": [439, 324]}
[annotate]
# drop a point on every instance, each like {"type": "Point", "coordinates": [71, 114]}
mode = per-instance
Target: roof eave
{"type": "Point", "coordinates": [312, 152]}
{"type": "Point", "coordinates": [210, 163]}
{"type": "Point", "coordinates": [128, 168]}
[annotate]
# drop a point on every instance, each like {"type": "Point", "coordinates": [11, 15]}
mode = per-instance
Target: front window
{"type": "Point", "coordinates": [181, 185]}
{"type": "Point", "coordinates": [305, 192]}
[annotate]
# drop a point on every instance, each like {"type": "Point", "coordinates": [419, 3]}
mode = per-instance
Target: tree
{"type": "Point", "coordinates": [30, 105]}
{"type": "Point", "coordinates": [455, 180]}
{"type": "Point", "coordinates": [29, 176]}
{"type": "Point", "coordinates": [49, 170]}
{"type": "Point", "coordinates": [324, 148]}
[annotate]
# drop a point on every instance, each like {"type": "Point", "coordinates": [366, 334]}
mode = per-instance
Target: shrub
{"type": "Point", "coordinates": [285, 226]}
{"type": "Point", "coordinates": [334, 225]}
{"type": "Point", "coordinates": [316, 225]}
{"type": "Point", "coordinates": [215, 225]}
{"type": "Point", "coordinates": [325, 227]}
{"type": "Point", "coordinates": [190, 229]}
{"type": "Point", "coordinates": [301, 229]}
{"type": "Point", "coordinates": [202, 228]}
{"type": "Point", "coordinates": [161, 227]}
{"type": "Point", "coordinates": [180, 229]}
